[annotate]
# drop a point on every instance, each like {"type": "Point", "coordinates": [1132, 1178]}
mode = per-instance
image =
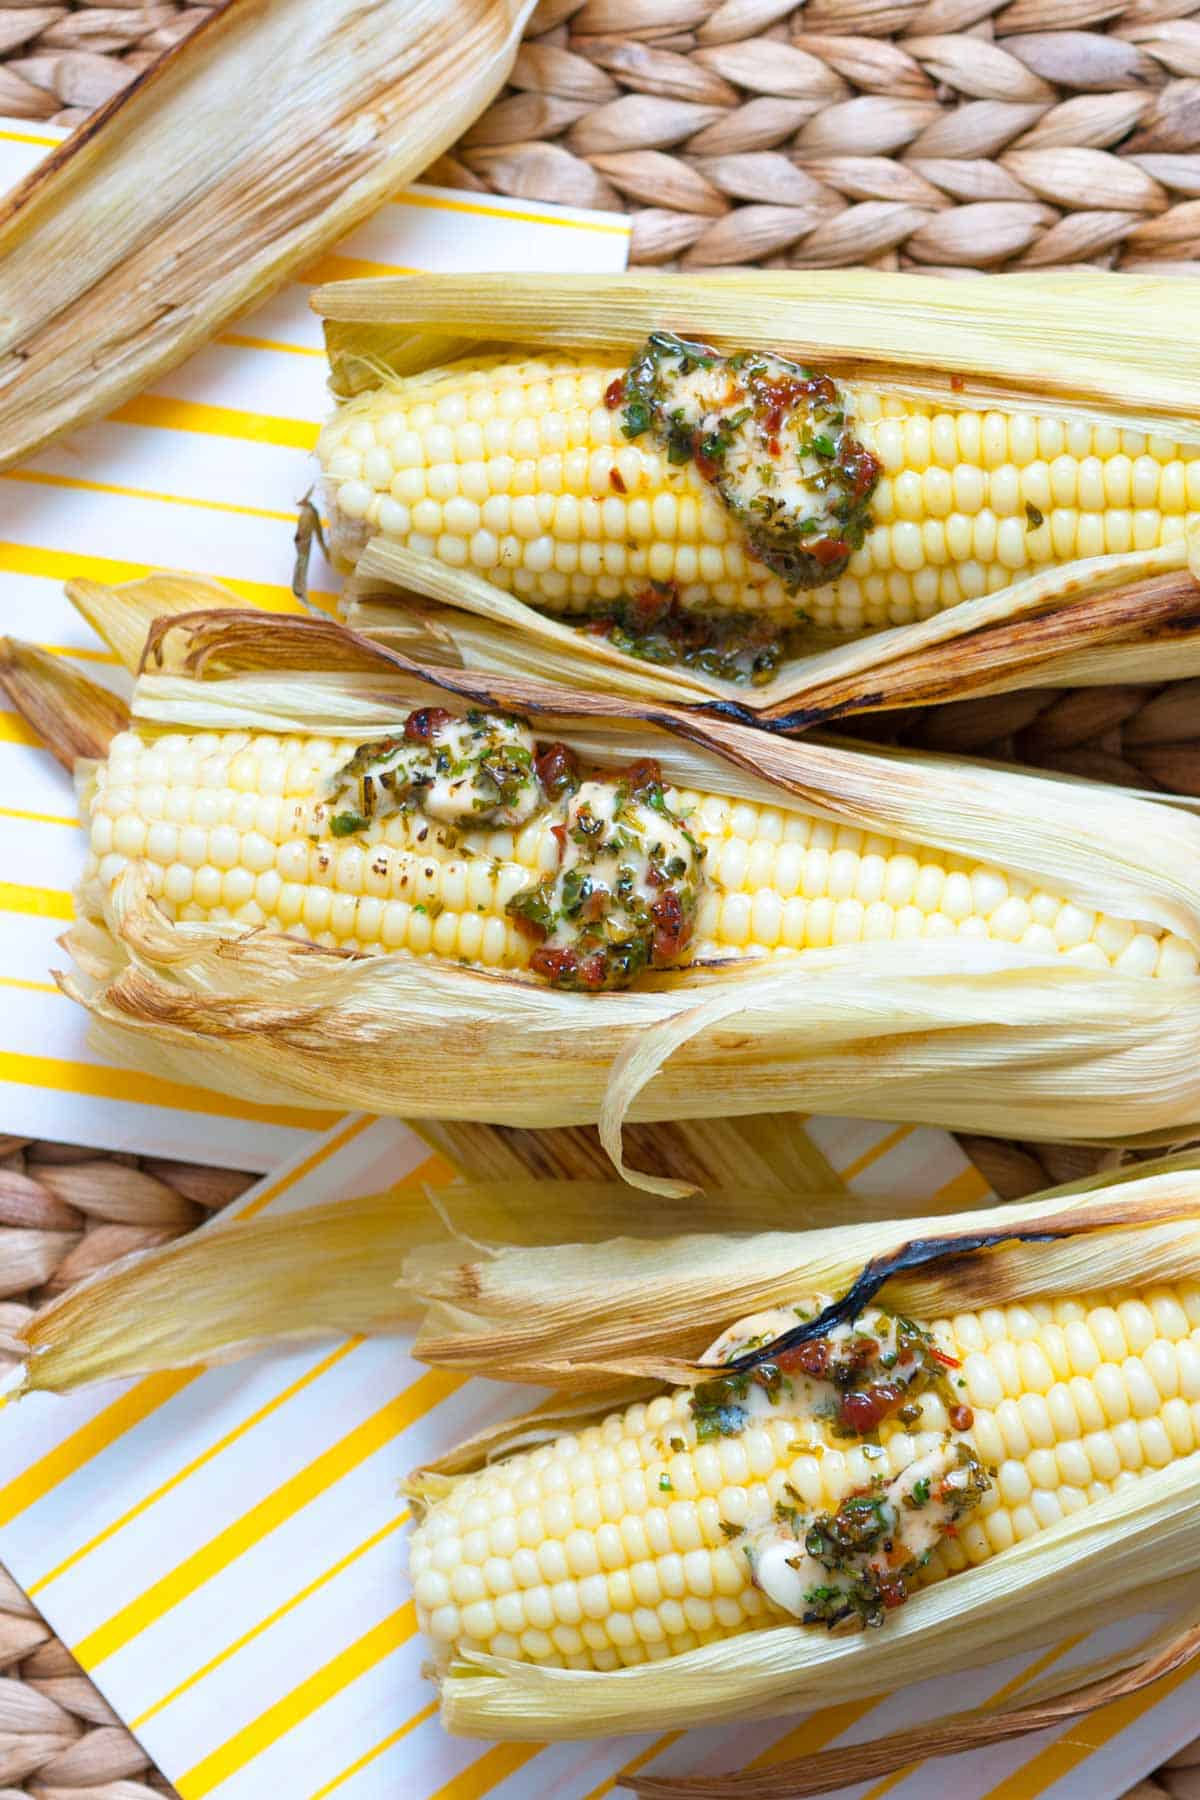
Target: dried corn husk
{"type": "Point", "coordinates": [125, 622]}
{"type": "Point", "coordinates": [222, 1293]}
{"type": "Point", "coordinates": [1056, 1699]}
{"type": "Point", "coordinates": [585, 1313]}
{"type": "Point", "coordinates": [75, 717]}
{"type": "Point", "coordinates": [605, 1315]}
{"type": "Point", "coordinates": [1089, 346]}
{"type": "Point", "coordinates": [975, 1034]}
{"type": "Point", "coordinates": [197, 190]}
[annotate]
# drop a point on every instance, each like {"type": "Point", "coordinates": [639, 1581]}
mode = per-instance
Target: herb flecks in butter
{"type": "Point", "coordinates": [656, 627]}
{"type": "Point", "coordinates": [626, 890]}
{"type": "Point", "coordinates": [477, 770]}
{"type": "Point", "coordinates": [772, 438]}
{"type": "Point", "coordinates": [861, 1559]}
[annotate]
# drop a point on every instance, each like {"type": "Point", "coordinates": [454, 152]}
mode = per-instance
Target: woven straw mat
{"type": "Point", "coordinates": [944, 135]}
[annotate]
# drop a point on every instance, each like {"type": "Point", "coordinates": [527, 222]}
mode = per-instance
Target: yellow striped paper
{"type": "Point", "coordinates": [224, 1553]}
{"type": "Point", "coordinates": [202, 474]}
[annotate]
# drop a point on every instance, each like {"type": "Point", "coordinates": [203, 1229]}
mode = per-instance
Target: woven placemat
{"type": "Point", "coordinates": [944, 135]}
{"type": "Point", "coordinates": [941, 135]}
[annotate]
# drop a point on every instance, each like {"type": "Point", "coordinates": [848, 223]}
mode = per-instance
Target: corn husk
{"type": "Point", "coordinates": [224, 1292]}
{"type": "Point", "coordinates": [124, 621]}
{"type": "Point", "coordinates": [1066, 1695]}
{"type": "Point", "coordinates": [75, 718]}
{"type": "Point", "coordinates": [973, 1034]}
{"type": "Point", "coordinates": [585, 1314]}
{"type": "Point", "coordinates": [1085, 347]}
{"type": "Point", "coordinates": [203, 185]}
{"type": "Point", "coordinates": [1103, 1562]}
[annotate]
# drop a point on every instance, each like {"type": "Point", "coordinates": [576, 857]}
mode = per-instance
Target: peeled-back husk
{"type": "Point", "coordinates": [257, 142]}
{"type": "Point", "coordinates": [1083, 347]}
{"type": "Point", "coordinates": [1109, 1559]}
{"type": "Point", "coordinates": [974, 1034]}
{"type": "Point", "coordinates": [222, 1293]}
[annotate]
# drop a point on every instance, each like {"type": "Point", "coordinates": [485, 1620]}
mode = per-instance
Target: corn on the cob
{"type": "Point", "coordinates": [1023, 925]}
{"type": "Point", "coordinates": [245, 828]}
{"type": "Point", "coordinates": [628, 1542]}
{"type": "Point", "coordinates": [520, 470]}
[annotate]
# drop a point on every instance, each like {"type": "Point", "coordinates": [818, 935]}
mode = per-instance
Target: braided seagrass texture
{"type": "Point", "coordinates": [946, 135]}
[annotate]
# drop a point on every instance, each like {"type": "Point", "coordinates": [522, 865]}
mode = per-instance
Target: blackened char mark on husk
{"type": "Point", "coordinates": [788, 724]}
{"type": "Point", "coordinates": [914, 1255]}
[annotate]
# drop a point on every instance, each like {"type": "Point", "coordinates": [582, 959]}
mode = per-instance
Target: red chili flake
{"type": "Point", "coordinates": [614, 393]}
{"type": "Point", "coordinates": [809, 1359]}
{"type": "Point", "coordinates": [644, 774]}
{"type": "Point", "coordinates": [593, 972]}
{"type": "Point", "coordinates": [944, 1357]}
{"type": "Point", "coordinates": [560, 832]}
{"type": "Point", "coordinates": [671, 929]}
{"type": "Point", "coordinates": [616, 480]}
{"type": "Point", "coordinates": [861, 468]}
{"type": "Point", "coordinates": [422, 727]}
{"type": "Point", "coordinates": [828, 550]}
{"type": "Point", "coordinates": [892, 1591]}
{"type": "Point", "coordinates": [554, 965]}
{"type": "Point", "coordinates": [557, 769]}
{"type": "Point", "coordinates": [529, 928]}
{"type": "Point", "coordinates": [861, 1412]}
{"type": "Point", "coordinates": [595, 907]}
{"type": "Point", "coordinates": [961, 1418]}
{"type": "Point", "coordinates": [653, 603]}
{"type": "Point", "coordinates": [706, 465]}
{"type": "Point", "coordinates": [958, 383]}
{"type": "Point", "coordinates": [773, 445]}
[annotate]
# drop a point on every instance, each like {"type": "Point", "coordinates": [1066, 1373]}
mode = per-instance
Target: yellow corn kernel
{"type": "Point", "coordinates": [246, 841]}
{"type": "Point", "coordinates": [504, 467]}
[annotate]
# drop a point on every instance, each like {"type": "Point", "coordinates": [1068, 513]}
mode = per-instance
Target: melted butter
{"type": "Point", "coordinates": [858, 1560]}
{"type": "Point", "coordinates": [759, 467]}
{"type": "Point", "coordinates": [801, 1395]}
{"type": "Point", "coordinates": [465, 771]}
{"type": "Point", "coordinates": [773, 440]}
{"type": "Point", "coordinates": [626, 890]}
{"type": "Point", "coordinates": [909, 1518]}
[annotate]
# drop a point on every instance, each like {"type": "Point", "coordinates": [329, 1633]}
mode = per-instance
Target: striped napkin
{"type": "Point", "coordinates": [223, 1550]}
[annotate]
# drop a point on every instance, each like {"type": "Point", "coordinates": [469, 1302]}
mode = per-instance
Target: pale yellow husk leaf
{"type": "Point", "coordinates": [1017, 345]}
{"type": "Point", "coordinates": [579, 1313]}
{"type": "Point", "coordinates": [226, 1291]}
{"type": "Point", "coordinates": [123, 616]}
{"type": "Point", "coordinates": [198, 190]}
{"type": "Point", "coordinates": [75, 718]}
{"type": "Point", "coordinates": [970, 1033]}
{"type": "Point", "coordinates": [1093, 1566]}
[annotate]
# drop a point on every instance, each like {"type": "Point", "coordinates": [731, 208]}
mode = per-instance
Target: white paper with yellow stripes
{"type": "Point", "coordinates": [203, 474]}
{"type": "Point", "coordinates": [224, 1554]}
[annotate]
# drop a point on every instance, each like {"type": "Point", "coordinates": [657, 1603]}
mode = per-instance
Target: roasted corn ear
{"type": "Point", "coordinates": [816, 1503]}
{"type": "Point", "coordinates": [721, 504]}
{"type": "Point", "coordinates": [319, 868]}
